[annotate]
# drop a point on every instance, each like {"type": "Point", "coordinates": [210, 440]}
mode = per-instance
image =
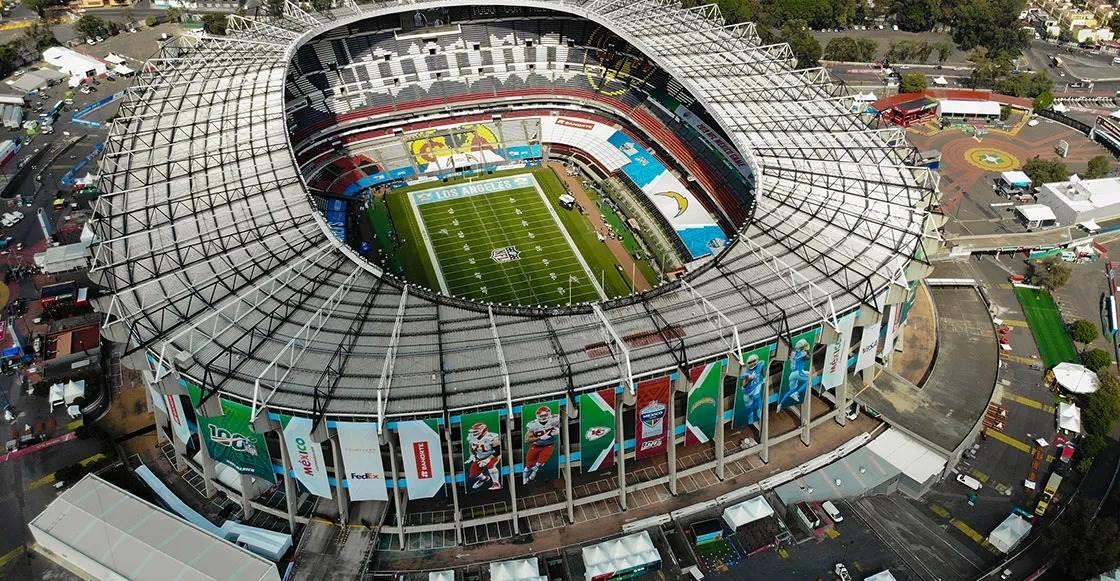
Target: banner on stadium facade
{"type": "Point", "coordinates": [231, 440]}
{"type": "Point", "coordinates": [867, 345]}
{"type": "Point", "coordinates": [157, 398]}
{"type": "Point", "coordinates": [702, 406]}
{"type": "Point", "coordinates": [306, 455]}
{"type": "Point", "coordinates": [178, 417]}
{"type": "Point", "coordinates": [422, 456]}
{"type": "Point", "coordinates": [482, 446]}
{"type": "Point", "coordinates": [651, 419]}
{"type": "Point", "coordinates": [540, 440]}
{"type": "Point", "coordinates": [194, 392]}
{"type": "Point", "coordinates": [596, 429]}
{"type": "Point", "coordinates": [361, 457]}
{"type": "Point", "coordinates": [889, 313]}
{"type": "Point", "coordinates": [798, 369]}
{"type": "Point", "coordinates": [748, 390]}
{"type": "Point", "coordinates": [836, 353]}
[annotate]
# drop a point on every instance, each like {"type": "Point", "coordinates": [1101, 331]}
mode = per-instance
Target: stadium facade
{"type": "Point", "coordinates": [274, 348]}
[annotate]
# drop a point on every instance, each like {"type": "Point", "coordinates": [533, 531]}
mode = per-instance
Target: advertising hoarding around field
{"type": "Point", "coordinates": [231, 440]}
{"type": "Point", "coordinates": [651, 420]}
{"type": "Point", "coordinates": [798, 369]}
{"type": "Point", "coordinates": [702, 406]}
{"type": "Point", "coordinates": [540, 440]}
{"type": "Point", "coordinates": [305, 455]}
{"type": "Point", "coordinates": [596, 427]}
{"type": "Point", "coordinates": [422, 457]}
{"type": "Point", "coordinates": [482, 446]}
{"type": "Point", "coordinates": [836, 353]}
{"type": "Point", "coordinates": [748, 390]}
{"type": "Point", "coordinates": [361, 456]}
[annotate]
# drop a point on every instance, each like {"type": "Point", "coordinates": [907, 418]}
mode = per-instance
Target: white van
{"type": "Point", "coordinates": [969, 481]}
{"type": "Point", "coordinates": [832, 512]}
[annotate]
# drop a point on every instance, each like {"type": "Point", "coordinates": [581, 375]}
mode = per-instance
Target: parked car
{"type": "Point", "coordinates": [832, 512]}
{"type": "Point", "coordinates": [969, 481]}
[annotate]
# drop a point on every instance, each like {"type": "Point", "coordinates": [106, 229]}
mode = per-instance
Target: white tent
{"type": "Point", "coordinates": [1059, 108]}
{"type": "Point", "coordinates": [56, 396]}
{"type": "Point", "coordinates": [1076, 378]}
{"type": "Point", "coordinates": [441, 576]}
{"type": "Point", "coordinates": [74, 63]}
{"type": "Point", "coordinates": [940, 81]}
{"type": "Point", "coordinates": [881, 576]}
{"type": "Point", "coordinates": [620, 555]}
{"type": "Point", "coordinates": [1009, 533]}
{"type": "Point", "coordinates": [115, 59]}
{"type": "Point", "coordinates": [1069, 417]}
{"type": "Point", "coordinates": [516, 570]}
{"type": "Point", "coordinates": [123, 70]}
{"type": "Point", "coordinates": [747, 512]}
{"type": "Point", "coordinates": [74, 390]}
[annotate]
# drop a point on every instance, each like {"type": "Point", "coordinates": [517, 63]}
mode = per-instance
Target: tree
{"type": "Point", "coordinates": [1067, 35]}
{"type": "Point", "coordinates": [1085, 546]}
{"type": "Point", "coordinates": [129, 15]}
{"type": "Point", "coordinates": [913, 15]}
{"type": "Point", "coordinates": [804, 46]}
{"type": "Point", "coordinates": [1044, 101]}
{"type": "Point", "coordinates": [912, 83]}
{"type": "Point", "coordinates": [988, 67]}
{"type": "Point", "coordinates": [1096, 359]}
{"type": "Point", "coordinates": [992, 24]}
{"type": "Point", "coordinates": [867, 49]}
{"type": "Point", "coordinates": [841, 48]}
{"type": "Point", "coordinates": [1050, 273]}
{"type": "Point", "coordinates": [90, 26]}
{"type": "Point", "coordinates": [173, 14]}
{"type": "Point", "coordinates": [944, 49]}
{"type": "Point", "coordinates": [1083, 331]}
{"type": "Point", "coordinates": [321, 5]}
{"type": "Point", "coordinates": [1045, 171]}
{"type": "Point", "coordinates": [1099, 167]}
{"type": "Point", "coordinates": [40, 6]}
{"type": "Point", "coordinates": [1025, 84]}
{"type": "Point", "coordinates": [215, 24]}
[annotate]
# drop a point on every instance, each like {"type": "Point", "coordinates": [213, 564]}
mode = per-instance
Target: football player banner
{"type": "Point", "coordinates": [306, 455]}
{"type": "Point", "coordinates": [651, 430]}
{"type": "Point", "coordinates": [836, 353]}
{"type": "Point", "coordinates": [798, 370]}
{"type": "Point", "coordinates": [422, 456]}
{"type": "Point", "coordinates": [540, 438]}
{"type": "Point", "coordinates": [482, 451]}
{"type": "Point", "coordinates": [702, 406]}
{"type": "Point", "coordinates": [748, 390]}
{"type": "Point", "coordinates": [361, 455]}
{"type": "Point", "coordinates": [231, 440]}
{"type": "Point", "coordinates": [596, 427]}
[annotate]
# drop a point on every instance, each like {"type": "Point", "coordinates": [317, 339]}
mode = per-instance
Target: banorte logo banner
{"type": "Point", "coordinates": [306, 455]}
{"type": "Point", "coordinates": [422, 456]}
{"type": "Point", "coordinates": [361, 457]}
{"type": "Point", "coordinates": [651, 421]}
{"type": "Point", "coordinates": [231, 440]}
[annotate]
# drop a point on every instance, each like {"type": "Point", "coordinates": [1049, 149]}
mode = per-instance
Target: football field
{"type": "Point", "coordinates": [500, 240]}
{"type": "Point", "coordinates": [1045, 321]}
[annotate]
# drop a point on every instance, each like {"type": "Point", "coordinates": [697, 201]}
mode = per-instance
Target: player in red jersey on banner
{"type": "Point", "coordinates": [542, 433]}
{"type": "Point", "coordinates": [486, 453]}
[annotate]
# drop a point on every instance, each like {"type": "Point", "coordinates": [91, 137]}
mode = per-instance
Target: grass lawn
{"type": "Point", "coordinates": [1054, 343]}
{"type": "Point", "coordinates": [505, 243]}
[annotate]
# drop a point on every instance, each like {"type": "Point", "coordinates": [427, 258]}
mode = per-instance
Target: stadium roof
{"type": "Point", "coordinates": [132, 538]}
{"type": "Point", "coordinates": [220, 262]}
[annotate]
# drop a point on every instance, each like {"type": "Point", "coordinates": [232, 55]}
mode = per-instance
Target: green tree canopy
{"type": "Point", "coordinates": [1050, 273]}
{"type": "Point", "coordinates": [1096, 360]}
{"type": "Point", "coordinates": [215, 24]}
{"type": "Point", "coordinates": [90, 26]}
{"type": "Point", "coordinates": [1083, 331]}
{"type": "Point", "coordinates": [1085, 546]}
{"type": "Point", "coordinates": [912, 83]}
{"type": "Point", "coordinates": [1025, 85]}
{"type": "Point", "coordinates": [848, 49]}
{"type": "Point", "coordinates": [992, 24]}
{"type": "Point", "coordinates": [1045, 171]}
{"type": "Point", "coordinates": [1099, 166]}
{"type": "Point", "coordinates": [801, 41]}
{"type": "Point", "coordinates": [914, 15]}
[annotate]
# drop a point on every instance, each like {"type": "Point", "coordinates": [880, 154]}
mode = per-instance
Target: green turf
{"type": "Point", "coordinates": [465, 232]}
{"type": "Point", "coordinates": [1054, 343]}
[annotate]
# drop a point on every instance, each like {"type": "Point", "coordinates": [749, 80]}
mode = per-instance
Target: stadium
{"type": "Point", "coordinates": [450, 265]}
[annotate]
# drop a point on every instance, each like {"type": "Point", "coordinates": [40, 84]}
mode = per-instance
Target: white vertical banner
{"type": "Point", "coordinates": [361, 456]}
{"type": "Point", "coordinates": [889, 313]}
{"type": "Point", "coordinates": [867, 346]}
{"type": "Point", "coordinates": [157, 398]}
{"type": "Point", "coordinates": [178, 418]}
{"type": "Point", "coordinates": [893, 331]}
{"type": "Point", "coordinates": [836, 354]}
{"type": "Point", "coordinates": [306, 456]}
{"type": "Point", "coordinates": [422, 456]}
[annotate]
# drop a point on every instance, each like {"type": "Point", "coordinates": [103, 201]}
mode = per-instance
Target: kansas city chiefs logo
{"type": "Point", "coordinates": [597, 432]}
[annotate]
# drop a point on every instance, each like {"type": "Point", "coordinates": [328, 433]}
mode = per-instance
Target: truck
{"type": "Point", "coordinates": [1048, 493]}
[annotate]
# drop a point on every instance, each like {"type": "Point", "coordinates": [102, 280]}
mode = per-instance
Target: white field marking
{"type": "Point", "coordinates": [428, 244]}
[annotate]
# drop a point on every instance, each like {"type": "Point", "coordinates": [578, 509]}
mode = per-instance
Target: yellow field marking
{"type": "Point", "coordinates": [783, 553]}
{"type": "Point", "coordinates": [1005, 286]}
{"type": "Point", "coordinates": [832, 533]}
{"type": "Point", "coordinates": [50, 478]}
{"type": "Point", "coordinates": [16, 25]}
{"type": "Point", "coordinates": [1014, 322]}
{"type": "Point", "coordinates": [10, 556]}
{"type": "Point", "coordinates": [1002, 437]}
{"type": "Point", "coordinates": [983, 478]}
{"type": "Point", "coordinates": [971, 533]}
{"type": "Point", "coordinates": [939, 510]}
{"type": "Point", "coordinates": [74, 425]}
{"type": "Point", "coordinates": [1018, 358]}
{"type": "Point", "coordinates": [1029, 402]}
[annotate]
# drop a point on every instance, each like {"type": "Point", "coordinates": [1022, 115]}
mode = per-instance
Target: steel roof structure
{"type": "Point", "coordinates": [220, 263]}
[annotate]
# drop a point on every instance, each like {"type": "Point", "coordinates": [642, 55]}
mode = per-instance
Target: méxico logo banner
{"type": "Point", "coordinates": [836, 353]}
{"type": "Point", "coordinates": [482, 448]}
{"type": "Point", "coordinates": [361, 456]}
{"type": "Point", "coordinates": [306, 455]}
{"type": "Point", "coordinates": [596, 427]}
{"type": "Point", "coordinates": [231, 440]}
{"type": "Point", "coordinates": [700, 415]}
{"type": "Point", "coordinates": [540, 440]}
{"type": "Point", "coordinates": [798, 370]}
{"type": "Point", "coordinates": [748, 390]}
{"type": "Point", "coordinates": [422, 456]}
{"type": "Point", "coordinates": [651, 420]}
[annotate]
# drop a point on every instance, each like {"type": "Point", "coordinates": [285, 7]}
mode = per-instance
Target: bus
{"type": "Point", "coordinates": [49, 117]}
{"type": "Point", "coordinates": [1048, 493]}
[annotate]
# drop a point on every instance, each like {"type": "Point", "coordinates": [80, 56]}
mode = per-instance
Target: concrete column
{"type": "Point", "coordinates": [211, 408]}
{"type": "Point", "coordinates": [289, 486]}
{"type": "Point", "coordinates": [454, 489]}
{"type": "Point", "coordinates": [842, 402]}
{"type": "Point", "coordinates": [341, 494]}
{"type": "Point", "coordinates": [397, 490]}
{"type": "Point", "coordinates": [764, 423]}
{"type": "Point", "coordinates": [806, 412]}
{"type": "Point", "coordinates": [620, 441]}
{"type": "Point", "coordinates": [718, 440]}
{"type": "Point", "coordinates": [246, 504]}
{"type": "Point", "coordinates": [566, 444]}
{"type": "Point", "coordinates": [680, 384]}
{"type": "Point", "coordinates": [512, 476]}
